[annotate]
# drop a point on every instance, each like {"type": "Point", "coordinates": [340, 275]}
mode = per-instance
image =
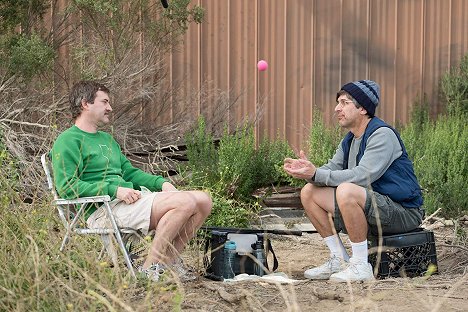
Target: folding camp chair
{"type": "Point", "coordinates": [71, 214]}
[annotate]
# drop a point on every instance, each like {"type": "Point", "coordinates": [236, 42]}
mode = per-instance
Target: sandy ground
{"type": "Point", "coordinates": [446, 291]}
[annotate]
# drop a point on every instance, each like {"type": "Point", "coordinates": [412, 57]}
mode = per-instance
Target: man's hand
{"type": "Point", "coordinates": [299, 168]}
{"type": "Point", "coordinates": [128, 195]}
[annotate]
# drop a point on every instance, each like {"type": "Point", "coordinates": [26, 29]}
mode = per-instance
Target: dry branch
{"type": "Point", "coordinates": [427, 219]}
{"type": "Point", "coordinates": [327, 295]}
{"type": "Point", "coordinates": [151, 111]}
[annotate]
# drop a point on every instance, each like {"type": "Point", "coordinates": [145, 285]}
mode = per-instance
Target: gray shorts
{"type": "Point", "coordinates": [383, 212]}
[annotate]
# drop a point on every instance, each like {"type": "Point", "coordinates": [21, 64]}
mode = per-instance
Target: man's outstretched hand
{"type": "Point", "coordinates": [300, 168]}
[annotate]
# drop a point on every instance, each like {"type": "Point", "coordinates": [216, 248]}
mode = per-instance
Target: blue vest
{"type": "Point", "coordinates": [399, 181]}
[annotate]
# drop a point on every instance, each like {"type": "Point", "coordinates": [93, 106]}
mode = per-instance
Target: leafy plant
{"type": "Point", "coordinates": [234, 170]}
{"type": "Point", "coordinates": [202, 155]}
{"type": "Point", "coordinates": [8, 174]}
{"type": "Point", "coordinates": [438, 150]}
{"type": "Point", "coordinates": [235, 166]}
{"type": "Point", "coordinates": [113, 25]}
{"type": "Point", "coordinates": [322, 141]}
{"type": "Point", "coordinates": [228, 212]}
{"type": "Point", "coordinates": [28, 55]}
{"type": "Point", "coordinates": [454, 86]}
{"type": "Point", "coordinates": [269, 158]}
{"type": "Point", "coordinates": [440, 162]}
{"type": "Point", "coordinates": [23, 13]}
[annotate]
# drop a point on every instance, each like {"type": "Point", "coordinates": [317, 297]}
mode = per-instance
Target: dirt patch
{"type": "Point", "coordinates": [446, 291]}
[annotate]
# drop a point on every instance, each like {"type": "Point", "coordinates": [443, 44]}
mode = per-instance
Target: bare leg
{"type": "Point", "coordinates": [175, 217]}
{"type": "Point", "coordinates": [188, 231]}
{"type": "Point", "coordinates": [351, 199]}
{"type": "Point", "coordinates": [169, 213]}
{"type": "Point", "coordinates": [319, 204]}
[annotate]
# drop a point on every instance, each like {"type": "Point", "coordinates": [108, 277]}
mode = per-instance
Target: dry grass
{"type": "Point", "coordinates": [36, 276]}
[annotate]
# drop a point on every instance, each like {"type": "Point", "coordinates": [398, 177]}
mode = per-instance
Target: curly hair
{"type": "Point", "coordinates": [84, 90]}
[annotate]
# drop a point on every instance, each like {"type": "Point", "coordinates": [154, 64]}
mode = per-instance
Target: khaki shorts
{"type": "Point", "coordinates": [383, 212]}
{"type": "Point", "coordinates": [135, 216]}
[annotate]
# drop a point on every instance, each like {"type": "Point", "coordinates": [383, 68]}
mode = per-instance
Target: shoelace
{"type": "Point", "coordinates": [351, 267]}
{"type": "Point", "coordinates": [330, 262]}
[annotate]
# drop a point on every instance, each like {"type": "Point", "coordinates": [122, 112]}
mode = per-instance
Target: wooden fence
{"type": "Point", "coordinates": [313, 47]}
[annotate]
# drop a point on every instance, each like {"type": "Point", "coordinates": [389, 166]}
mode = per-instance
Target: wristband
{"type": "Point", "coordinates": [312, 179]}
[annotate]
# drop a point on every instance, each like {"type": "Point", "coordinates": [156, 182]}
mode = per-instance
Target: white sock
{"type": "Point", "coordinates": [360, 251]}
{"type": "Point", "coordinates": [336, 247]}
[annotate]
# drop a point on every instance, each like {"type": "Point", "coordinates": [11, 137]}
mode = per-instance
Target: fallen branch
{"type": "Point", "coordinates": [431, 216]}
{"type": "Point", "coordinates": [327, 295]}
{"type": "Point", "coordinates": [231, 298]}
{"type": "Point", "coordinates": [224, 294]}
{"type": "Point", "coordinates": [444, 286]}
{"type": "Point", "coordinates": [24, 123]}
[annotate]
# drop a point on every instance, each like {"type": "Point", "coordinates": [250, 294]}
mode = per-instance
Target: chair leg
{"type": "Point", "coordinates": [101, 253]}
{"type": "Point", "coordinates": [125, 253]}
{"type": "Point", "coordinates": [64, 241]}
{"type": "Point", "coordinates": [109, 247]}
{"type": "Point", "coordinates": [118, 236]}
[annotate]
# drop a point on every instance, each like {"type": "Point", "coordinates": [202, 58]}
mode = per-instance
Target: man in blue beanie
{"type": "Point", "coordinates": [368, 185]}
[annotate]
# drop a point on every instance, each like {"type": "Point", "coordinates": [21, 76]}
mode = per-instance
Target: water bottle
{"type": "Point", "coordinates": [259, 254]}
{"type": "Point", "coordinates": [229, 259]}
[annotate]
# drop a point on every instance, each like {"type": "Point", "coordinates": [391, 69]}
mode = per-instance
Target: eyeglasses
{"type": "Point", "coordinates": [343, 102]}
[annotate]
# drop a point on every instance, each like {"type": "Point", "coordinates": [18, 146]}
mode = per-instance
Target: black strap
{"type": "Point", "coordinates": [207, 256]}
{"type": "Point", "coordinates": [254, 231]}
{"type": "Point", "coordinates": [275, 260]}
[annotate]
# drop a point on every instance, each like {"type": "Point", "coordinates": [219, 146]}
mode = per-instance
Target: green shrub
{"type": "Point", "coordinates": [236, 164]}
{"type": "Point", "coordinates": [9, 177]}
{"type": "Point", "coordinates": [234, 170]}
{"type": "Point", "coordinates": [228, 212]}
{"type": "Point", "coordinates": [454, 86]}
{"type": "Point", "coordinates": [26, 56]}
{"type": "Point", "coordinates": [439, 155]}
{"type": "Point", "coordinates": [270, 157]}
{"type": "Point", "coordinates": [202, 156]}
{"type": "Point", "coordinates": [23, 14]}
{"type": "Point", "coordinates": [243, 168]}
{"type": "Point", "coordinates": [438, 148]}
{"type": "Point", "coordinates": [322, 141]}
{"type": "Point", "coordinates": [413, 133]}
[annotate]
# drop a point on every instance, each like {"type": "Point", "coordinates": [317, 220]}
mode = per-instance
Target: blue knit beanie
{"type": "Point", "coordinates": [365, 92]}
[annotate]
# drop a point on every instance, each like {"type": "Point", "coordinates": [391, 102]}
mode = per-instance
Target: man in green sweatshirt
{"type": "Point", "coordinates": [89, 162]}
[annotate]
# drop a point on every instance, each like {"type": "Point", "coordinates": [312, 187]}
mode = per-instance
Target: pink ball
{"type": "Point", "coordinates": [262, 65]}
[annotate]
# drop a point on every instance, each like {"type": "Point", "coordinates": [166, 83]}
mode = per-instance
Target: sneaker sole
{"type": "Point", "coordinates": [339, 280]}
{"type": "Point", "coordinates": [317, 277]}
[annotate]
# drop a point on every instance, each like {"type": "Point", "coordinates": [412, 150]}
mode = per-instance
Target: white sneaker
{"type": "Point", "coordinates": [153, 272]}
{"type": "Point", "coordinates": [323, 272]}
{"type": "Point", "coordinates": [356, 271]}
{"type": "Point", "coordinates": [184, 273]}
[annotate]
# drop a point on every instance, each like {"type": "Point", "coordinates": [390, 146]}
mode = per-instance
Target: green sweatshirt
{"type": "Point", "coordinates": [91, 164]}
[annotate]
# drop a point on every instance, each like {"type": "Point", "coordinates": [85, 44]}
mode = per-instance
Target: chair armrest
{"type": "Point", "coordinates": [83, 200]}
